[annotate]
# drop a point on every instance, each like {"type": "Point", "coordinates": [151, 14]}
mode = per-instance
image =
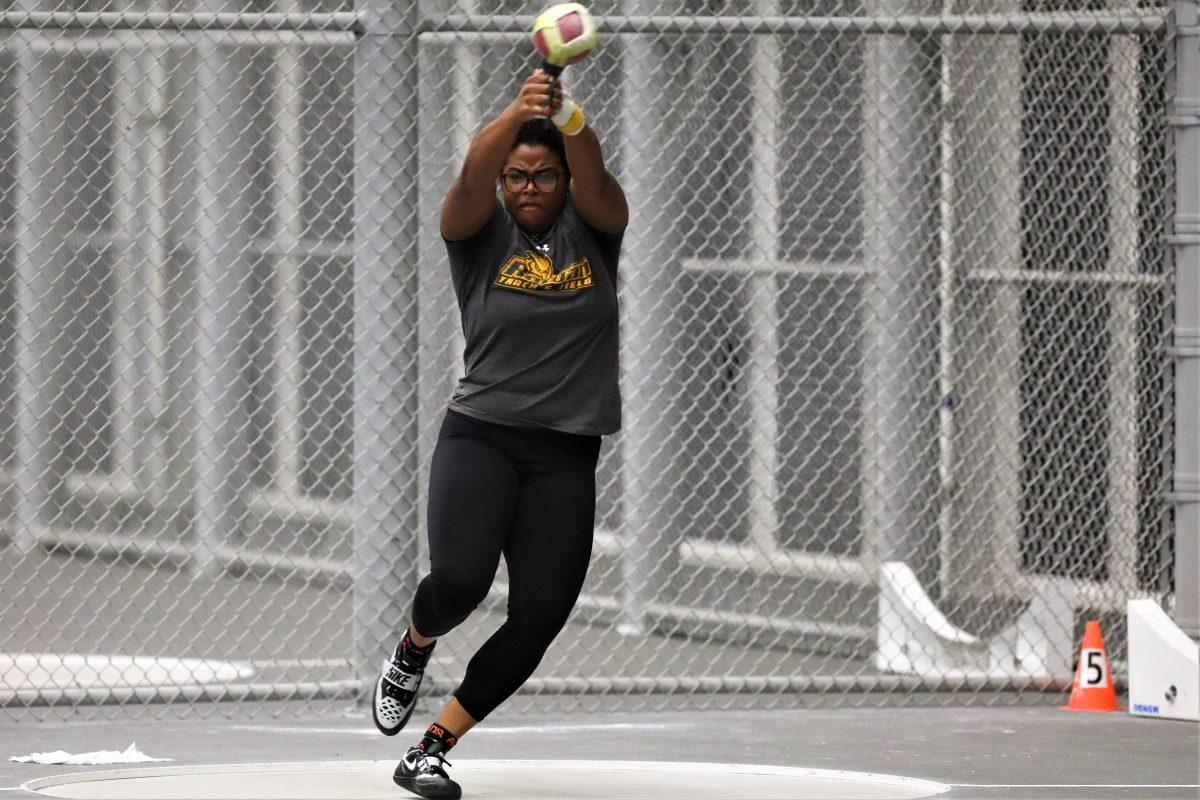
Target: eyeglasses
{"type": "Point", "coordinates": [545, 180]}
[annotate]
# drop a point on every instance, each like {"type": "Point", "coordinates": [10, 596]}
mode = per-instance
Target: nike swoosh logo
{"type": "Point", "coordinates": [405, 682]}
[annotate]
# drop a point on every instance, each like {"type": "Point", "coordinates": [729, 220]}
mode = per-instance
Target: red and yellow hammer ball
{"type": "Point", "coordinates": [564, 33]}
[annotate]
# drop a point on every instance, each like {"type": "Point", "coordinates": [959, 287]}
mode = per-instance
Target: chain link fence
{"type": "Point", "coordinates": [896, 298]}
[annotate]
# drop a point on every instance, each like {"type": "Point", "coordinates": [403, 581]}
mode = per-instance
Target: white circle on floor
{"type": "Point", "coordinates": [490, 779]}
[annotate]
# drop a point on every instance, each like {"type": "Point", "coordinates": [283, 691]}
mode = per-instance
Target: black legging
{"type": "Point", "coordinates": [531, 495]}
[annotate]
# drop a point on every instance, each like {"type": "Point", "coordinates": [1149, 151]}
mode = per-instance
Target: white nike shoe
{"type": "Point", "coordinates": [396, 691]}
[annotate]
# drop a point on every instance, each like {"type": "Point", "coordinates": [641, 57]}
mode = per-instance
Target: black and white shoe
{"type": "Point", "coordinates": [424, 774]}
{"type": "Point", "coordinates": [396, 691]}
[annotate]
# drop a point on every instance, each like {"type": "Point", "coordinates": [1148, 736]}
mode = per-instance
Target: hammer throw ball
{"type": "Point", "coordinates": [564, 34]}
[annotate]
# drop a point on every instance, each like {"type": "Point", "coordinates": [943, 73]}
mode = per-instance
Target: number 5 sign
{"type": "Point", "coordinates": [1093, 669]}
{"type": "Point", "coordinates": [1093, 688]}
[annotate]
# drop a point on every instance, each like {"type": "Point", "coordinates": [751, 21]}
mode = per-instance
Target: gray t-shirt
{"type": "Point", "coordinates": [540, 322]}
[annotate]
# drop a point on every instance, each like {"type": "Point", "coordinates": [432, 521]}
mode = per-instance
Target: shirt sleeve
{"type": "Point", "coordinates": [466, 254]}
{"type": "Point", "coordinates": [608, 243]}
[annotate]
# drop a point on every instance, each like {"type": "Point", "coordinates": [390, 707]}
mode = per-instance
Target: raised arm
{"type": "Point", "coordinates": [472, 196]}
{"type": "Point", "coordinates": [598, 196]}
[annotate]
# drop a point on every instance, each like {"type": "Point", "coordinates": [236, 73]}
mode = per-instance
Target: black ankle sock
{"type": "Point", "coordinates": [407, 645]}
{"type": "Point", "coordinates": [437, 739]}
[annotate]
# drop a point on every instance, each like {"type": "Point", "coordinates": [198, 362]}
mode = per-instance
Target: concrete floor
{"type": "Point", "coordinates": [1037, 752]}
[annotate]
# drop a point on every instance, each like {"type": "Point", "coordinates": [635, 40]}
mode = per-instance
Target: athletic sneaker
{"type": "Point", "coordinates": [396, 690]}
{"type": "Point", "coordinates": [424, 773]}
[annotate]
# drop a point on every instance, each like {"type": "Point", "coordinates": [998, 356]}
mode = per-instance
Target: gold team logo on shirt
{"type": "Point", "coordinates": [534, 272]}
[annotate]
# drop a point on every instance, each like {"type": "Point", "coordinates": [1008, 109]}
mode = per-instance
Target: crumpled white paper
{"type": "Point", "coordinates": [131, 755]}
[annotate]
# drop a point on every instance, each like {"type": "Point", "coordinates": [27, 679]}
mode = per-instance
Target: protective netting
{"type": "Point", "coordinates": [895, 297]}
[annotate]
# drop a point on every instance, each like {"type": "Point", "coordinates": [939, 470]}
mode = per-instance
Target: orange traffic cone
{"type": "Point", "coordinates": [1092, 689]}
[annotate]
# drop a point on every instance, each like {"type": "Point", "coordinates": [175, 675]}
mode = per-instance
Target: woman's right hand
{"type": "Point", "coordinates": [531, 102]}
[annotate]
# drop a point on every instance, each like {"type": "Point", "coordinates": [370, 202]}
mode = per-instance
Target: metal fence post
{"type": "Point", "coordinates": [447, 75]}
{"type": "Point", "coordinates": [650, 529]}
{"type": "Point", "coordinates": [764, 368]}
{"type": "Point", "coordinates": [1124, 225]}
{"type": "Point", "coordinates": [224, 265]}
{"type": "Point", "coordinates": [288, 168]}
{"type": "Point", "coordinates": [39, 258]}
{"type": "Point", "coordinates": [139, 318]}
{"type": "Point", "coordinates": [1185, 115]}
{"type": "Point", "coordinates": [386, 216]}
{"type": "Point", "coordinates": [980, 336]}
{"type": "Point", "coordinates": [900, 233]}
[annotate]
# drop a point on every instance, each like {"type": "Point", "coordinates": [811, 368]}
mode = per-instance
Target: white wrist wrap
{"type": "Point", "coordinates": [569, 118]}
